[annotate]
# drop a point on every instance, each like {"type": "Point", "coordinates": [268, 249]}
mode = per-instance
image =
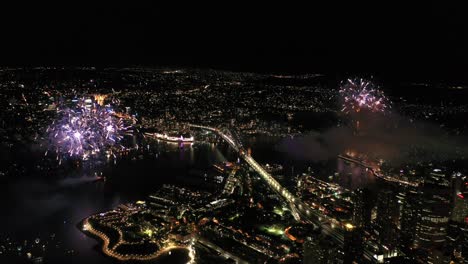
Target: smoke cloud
{"type": "Point", "coordinates": [389, 137]}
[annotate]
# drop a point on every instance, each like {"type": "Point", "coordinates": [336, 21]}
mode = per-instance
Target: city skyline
{"type": "Point", "coordinates": [331, 134]}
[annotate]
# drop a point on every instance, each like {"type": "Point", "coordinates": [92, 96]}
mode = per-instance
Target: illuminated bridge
{"type": "Point", "coordinates": [376, 172]}
{"type": "Point", "coordinates": [301, 211]}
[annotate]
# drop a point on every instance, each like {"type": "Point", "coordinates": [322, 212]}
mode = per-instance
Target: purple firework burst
{"type": "Point", "coordinates": [362, 94]}
{"type": "Point", "coordinates": [87, 131]}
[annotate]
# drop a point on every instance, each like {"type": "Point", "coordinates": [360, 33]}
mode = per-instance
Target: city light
{"type": "Point", "coordinates": [232, 166]}
{"type": "Point", "coordinates": [148, 232]}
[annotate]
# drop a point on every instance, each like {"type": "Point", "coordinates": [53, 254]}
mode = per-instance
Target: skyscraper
{"type": "Point", "coordinates": [387, 218]}
{"type": "Point", "coordinates": [362, 210]}
{"type": "Point", "coordinates": [434, 213]}
{"type": "Point", "coordinates": [459, 198]}
{"type": "Point", "coordinates": [409, 217]}
{"type": "Point", "coordinates": [353, 245]}
{"type": "Point", "coordinates": [457, 236]}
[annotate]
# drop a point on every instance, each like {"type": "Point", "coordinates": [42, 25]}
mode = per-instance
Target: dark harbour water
{"type": "Point", "coordinates": [350, 176]}
{"type": "Point", "coordinates": [35, 207]}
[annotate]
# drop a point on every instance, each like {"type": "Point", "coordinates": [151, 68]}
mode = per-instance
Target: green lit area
{"type": "Point", "coordinates": [280, 210]}
{"type": "Point", "coordinates": [232, 218]}
{"type": "Point", "coordinates": [273, 230]}
{"type": "Point", "coordinates": [148, 232]}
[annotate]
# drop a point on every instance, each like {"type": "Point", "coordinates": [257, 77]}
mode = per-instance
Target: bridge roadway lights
{"type": "Point", "coordinates": [255, 165]}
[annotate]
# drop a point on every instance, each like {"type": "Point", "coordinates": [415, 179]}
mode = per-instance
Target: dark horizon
{"type": "Point", "coordinates": [404, 41]}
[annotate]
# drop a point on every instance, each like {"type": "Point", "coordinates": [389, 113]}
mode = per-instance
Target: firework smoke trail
{"type": "Point", "coordinates": [87, 131]}
{"type": "Point", "coordinates": [362, 94]}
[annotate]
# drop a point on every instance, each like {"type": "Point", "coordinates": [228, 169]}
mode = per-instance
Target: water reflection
{"type": "Point", "coordinates": [352, 176]}
{"type": "Point", "coordinates": [40, 207]}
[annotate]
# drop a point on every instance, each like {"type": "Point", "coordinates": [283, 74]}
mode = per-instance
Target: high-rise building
{"type": "Point", "coordinates": [457, 239]}
{"type": "Point", "coordinates": [409, 217]}
{"type": "Point", "coordinates": [353, 245]}
{"type": "Point", "coordinates": [454, 239]}
{"type": "Point", "coordinates": [434, 213]}
{"type": "Point", "coordinates": [362, 210]}
{"type": "Point", "coordinates": [464, 242]}
{"type": "Point", "coordinates": [459, 198]}
{"type": "Point", "coordinates": [387, 218]}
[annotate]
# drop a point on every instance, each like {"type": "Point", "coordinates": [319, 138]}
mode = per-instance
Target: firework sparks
{"type": "Point", "coordinates": [362, 94]}
{"type": "Point", "coordinates": [87, 130]}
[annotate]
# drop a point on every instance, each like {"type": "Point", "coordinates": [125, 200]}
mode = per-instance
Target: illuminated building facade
{"type": "Point", "coordinates": [409, 218]}
{"type": "Point", "coordinates": [434, 214]}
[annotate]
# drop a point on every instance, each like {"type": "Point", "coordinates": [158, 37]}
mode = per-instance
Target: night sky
{"type": "Point", "coordinates": [406, 40]}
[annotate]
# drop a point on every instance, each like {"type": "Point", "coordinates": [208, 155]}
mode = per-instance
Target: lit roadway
{"type": "Point", "coordinates": [221, 251]}
{"type": "Point", "coordinates": [300, 210]}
